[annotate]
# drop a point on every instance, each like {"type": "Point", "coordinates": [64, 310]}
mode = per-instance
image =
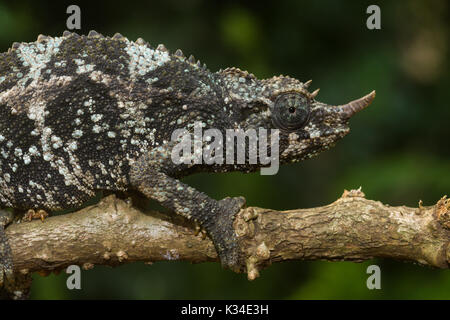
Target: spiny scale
{"type": "Point", "coordinates": [120, 37]}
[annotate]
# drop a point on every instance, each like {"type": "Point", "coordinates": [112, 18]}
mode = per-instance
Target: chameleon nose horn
{"type": "Point", "coordinates": [349, 109]}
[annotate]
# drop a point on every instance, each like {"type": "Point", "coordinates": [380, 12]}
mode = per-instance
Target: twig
{"type": "Point", "coordinates": [351, 228]}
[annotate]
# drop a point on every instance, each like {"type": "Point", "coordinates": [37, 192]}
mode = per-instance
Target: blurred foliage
{"type": "Point", "coordinates": [397, 150]}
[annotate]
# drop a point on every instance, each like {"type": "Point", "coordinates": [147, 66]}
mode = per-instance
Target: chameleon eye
{"type": "Point", "coordinates": [291, 111]}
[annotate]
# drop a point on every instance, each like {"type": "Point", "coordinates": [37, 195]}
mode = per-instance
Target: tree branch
{"type": "Point", "coordinates": [351, 228]}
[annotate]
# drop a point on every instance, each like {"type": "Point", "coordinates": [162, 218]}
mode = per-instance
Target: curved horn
{"type": "Point", "coordinates": [349, 109]}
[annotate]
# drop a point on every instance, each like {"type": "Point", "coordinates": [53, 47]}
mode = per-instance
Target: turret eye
{"type": "Point", "coordinates": [291, 111]}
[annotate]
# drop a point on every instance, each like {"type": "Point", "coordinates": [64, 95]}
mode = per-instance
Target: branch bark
{"type": "Point", "coordinates": [351, 228]}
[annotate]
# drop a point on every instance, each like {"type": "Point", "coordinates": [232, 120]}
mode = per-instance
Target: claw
{"type": "Point", "coordinates": [32, 214]}
{"type": "Point", "coordinates": [200, 230]}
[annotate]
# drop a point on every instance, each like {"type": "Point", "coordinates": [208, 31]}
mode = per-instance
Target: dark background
{"type": "Point", "coordinates": [397, 150]}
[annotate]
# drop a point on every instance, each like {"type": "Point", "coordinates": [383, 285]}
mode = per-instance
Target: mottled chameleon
{"type": "Point", "coordinates": [80, 114]}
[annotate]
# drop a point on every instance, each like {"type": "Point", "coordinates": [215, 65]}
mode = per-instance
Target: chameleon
{"type": "Point", "coordinates": [83, 113]}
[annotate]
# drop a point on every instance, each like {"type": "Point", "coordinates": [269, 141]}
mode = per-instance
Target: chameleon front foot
{"type": "Point", "coordinates": [222, 233]}
{"type": "Point", "coordinates": [6, 267]}
{"type": "Point", "coordinates": [14, 286]}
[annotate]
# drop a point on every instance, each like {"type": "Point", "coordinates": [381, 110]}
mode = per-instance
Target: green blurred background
{"type": "Point", "coordinates": [397, 151]}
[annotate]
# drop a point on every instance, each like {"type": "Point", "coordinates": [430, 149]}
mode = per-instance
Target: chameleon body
{"type": "Point", "coordinates": [80, 114]}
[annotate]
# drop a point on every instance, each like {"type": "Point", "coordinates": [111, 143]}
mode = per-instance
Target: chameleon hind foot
{"type": "Point", "coordinates": [200, 231]}
{"type": "Point", "coordinates": [6, 266]}
{"type": "Point", "coordinates": [33, 214]}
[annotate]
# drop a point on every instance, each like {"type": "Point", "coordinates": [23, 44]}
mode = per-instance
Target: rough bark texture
{"type": "Point", "coordinates": [351, 228]}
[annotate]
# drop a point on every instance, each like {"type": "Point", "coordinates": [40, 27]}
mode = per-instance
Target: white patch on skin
{"type": "Point", "coordinates": [97, 129]}
{"type": "Point", "coordinates": [36, 56]}
{"type": "Point", "coordinates": [26, 159]}
{"type": "Point", "coordinates": [96, 117]}
{"type": "Point", "coordinates": [73, 145]}
{"type": "Point", "coordinates": [77, 134]}
{"type": "Point", "coordinates": [56, 142]}
{"type": "Point", "coordinates": [85, 68]}
{"type": "Point", "coordinates": [36, 112]}
{"type": "Point", "coordinates": [18, 152]}
{"type": "Point", "coordinates": [48, 195]}
{"type": "Point", "coordinates": [82, 67]}
{"type": "Point", "coordinates": [35, 108]}
{"type": "Point", "coordinates": [60, 64]}
{"type": "Point", "coordinates": [33, 151]}
{"type": "Point", "coordinates": [144, 59]}
{"type": "Point", "coordinates": [100, 77]}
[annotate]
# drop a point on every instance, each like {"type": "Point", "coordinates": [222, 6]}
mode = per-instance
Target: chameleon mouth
{"type": "Point", "coordinates": [349, 109]}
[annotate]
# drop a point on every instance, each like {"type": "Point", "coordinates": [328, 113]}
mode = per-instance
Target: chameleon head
{"type": "Point", "coordinates": [306, 126]}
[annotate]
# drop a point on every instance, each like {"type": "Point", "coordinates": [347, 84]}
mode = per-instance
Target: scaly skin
{"type": "Point", "coordinates": [85, 113]}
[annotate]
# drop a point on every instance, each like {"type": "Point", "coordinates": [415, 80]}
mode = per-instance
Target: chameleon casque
{"type": "Point", "coordinates": [80, 114]}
